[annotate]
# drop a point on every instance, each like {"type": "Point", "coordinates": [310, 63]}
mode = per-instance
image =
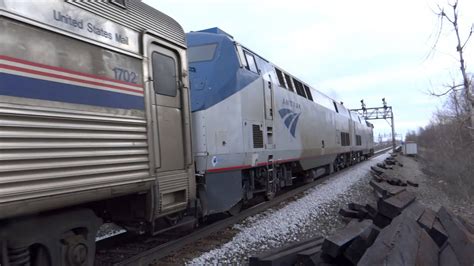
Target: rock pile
{"type": "Point", "coordinates": [398, 231]}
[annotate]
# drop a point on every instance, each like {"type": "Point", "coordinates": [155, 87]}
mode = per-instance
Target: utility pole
{"type": "Point", "coordinates": [385, 112]}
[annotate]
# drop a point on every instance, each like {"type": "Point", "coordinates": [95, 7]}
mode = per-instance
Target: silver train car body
{"type": "Point", "coordinates": [94, 112]}
{"type": "Point", "coordinates": [255, 127]}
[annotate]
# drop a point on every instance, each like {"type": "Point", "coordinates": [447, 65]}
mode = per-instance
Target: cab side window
{"type": "Point", "coordinates": [251, 64]}
{"type": "Point", "coordinates": [281, 79]}
{"type": "Point", "coordinates": [165, 79]}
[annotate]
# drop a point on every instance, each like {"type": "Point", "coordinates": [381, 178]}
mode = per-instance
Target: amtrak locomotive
{"type": "Point", "coordinates": [97, 116]}
{"type": "Point", "coordinates": [256, 127]}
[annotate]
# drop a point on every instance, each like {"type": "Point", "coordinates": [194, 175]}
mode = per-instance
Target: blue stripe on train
{"type": "Point", "coordinates": [14, 85]}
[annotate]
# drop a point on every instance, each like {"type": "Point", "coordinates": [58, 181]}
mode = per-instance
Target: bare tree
{"type": "Point", "coordinates": [448, 140]}
{"type": "Point", "coordinates": [466, 85]}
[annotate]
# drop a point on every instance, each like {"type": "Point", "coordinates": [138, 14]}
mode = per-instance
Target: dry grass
{"type": "Point", "coordinates": [447, 152]}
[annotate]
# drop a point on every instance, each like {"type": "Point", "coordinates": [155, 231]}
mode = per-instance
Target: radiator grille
{"type": "Point", "coordinates": [257, 137]}
{"type": "Point", "coordinates": [345, 139]}
{"type": "Point", "coordinates": [44, 153]}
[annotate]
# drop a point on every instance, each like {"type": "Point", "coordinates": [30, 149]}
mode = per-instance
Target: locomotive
{"type": "Point", "coordinates": [256, 127]}
{"type": "Point", "coordinates": [99, 122]}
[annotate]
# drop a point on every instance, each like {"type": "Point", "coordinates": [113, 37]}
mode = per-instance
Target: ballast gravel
{"type": "Point", "coordinates": [314, 213]}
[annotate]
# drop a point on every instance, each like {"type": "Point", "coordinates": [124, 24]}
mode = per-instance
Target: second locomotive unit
{"type": "Point", "coordinates": [256, 127]}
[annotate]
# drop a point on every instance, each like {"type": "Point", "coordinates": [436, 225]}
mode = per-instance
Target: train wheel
{"type": "Point", "coordinates": [76, 249]}
{"type": "Point", "coordinates": [60, 238]}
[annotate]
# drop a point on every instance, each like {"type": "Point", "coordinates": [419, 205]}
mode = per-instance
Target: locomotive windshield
{"type": "Point", "coordinates": [201, 53]}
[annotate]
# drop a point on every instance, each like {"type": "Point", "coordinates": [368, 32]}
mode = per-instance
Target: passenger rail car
{"type": "Point", "coordinates": [94, 114]}
{"type": "Point", "coordinates": [256, 127]}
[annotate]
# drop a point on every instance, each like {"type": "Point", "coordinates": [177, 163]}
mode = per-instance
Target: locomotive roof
{"type": "Point", "coordinates": [219, 31]}
{"type": "Point", "coordinates": [138, 16]}
{"type": "Point", "coordinates": [320, 98]}
{"type": "Point", "coordinates": [216, 30]}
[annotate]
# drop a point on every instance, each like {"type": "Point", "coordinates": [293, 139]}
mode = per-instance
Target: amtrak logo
{"type": "Point", "coordinates": [290, 118]}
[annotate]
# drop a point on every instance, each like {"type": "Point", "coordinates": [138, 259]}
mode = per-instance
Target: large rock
{"type": "Point", "coordinates": [393, 206]}
{"type": "Point", "coordinates": [397, 244]}
{"type": "Point", "coordinates": [335, 244]}
{"type": "Point", "coordinates": [459, 237]}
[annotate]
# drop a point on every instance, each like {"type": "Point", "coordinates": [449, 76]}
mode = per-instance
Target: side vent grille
{"type": "Point", "coordinates": [345, 139]}
{"type": "Point", "coordinates": [257, 137]}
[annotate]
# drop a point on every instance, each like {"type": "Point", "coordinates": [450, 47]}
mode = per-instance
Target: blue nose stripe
{"type": "Point", "coordinates": [293, 126]}
{"type": "Point", "coordinates": [289, 119]}
{"type": "Point", "coordinates": [283, 112]}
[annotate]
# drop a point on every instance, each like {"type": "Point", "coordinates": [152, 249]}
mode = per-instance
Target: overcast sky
{"type": "Point", "coordinates": [349, 50]}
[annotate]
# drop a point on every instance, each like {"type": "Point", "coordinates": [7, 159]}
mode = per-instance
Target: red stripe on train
{"type": "Point", "coordinates": [35, 72]}
{"type": "Point", "coordinates": [21, 61]}
{"type": "Point", "coordinates": [240, 167]}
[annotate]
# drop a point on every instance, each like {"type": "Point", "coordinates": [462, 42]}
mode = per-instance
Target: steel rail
{"type": "Point", "coordinates": [147, 257]}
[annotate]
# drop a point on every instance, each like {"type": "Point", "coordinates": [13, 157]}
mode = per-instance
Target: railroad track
{"type": "Point", "coordinates": [145, 250]}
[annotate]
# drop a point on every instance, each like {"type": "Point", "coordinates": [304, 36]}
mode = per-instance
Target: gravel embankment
{"type": "Point", "coordinates": [315, 212]}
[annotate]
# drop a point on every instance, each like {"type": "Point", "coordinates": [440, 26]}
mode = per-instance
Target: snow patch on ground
{"type": "Point", "coordinates": [274, 228]}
